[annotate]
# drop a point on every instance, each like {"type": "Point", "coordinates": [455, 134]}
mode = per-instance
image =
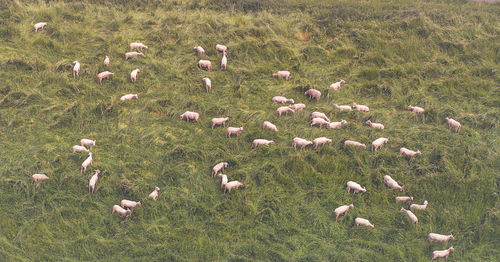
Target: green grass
{"type": "Point", "coordinates": [441, 55]}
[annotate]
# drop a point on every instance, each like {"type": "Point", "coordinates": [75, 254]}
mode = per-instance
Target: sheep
{"type": "Point", "coordinates": [93, 181]}
{"type": "Point", "coordinates": [123, 212]}
{"type": "Point", "coordinates": [297, 141]}
{"type": "Point", "coordinates": [284, 109]}
{"type": "Point", "coordinates": [391, 183]}
{"type": "Point", "coordinates": [87, 142]}
{"type": "Point", "coordinates": [410, 215]}
{"type": "Point", "coordinates": [321, 141]}
{"type": "Point", "coordinates": [40, 25]}
{"type": "Point", "coordinates": [342, 108]}
{"type": "Point", "coordinates": [76, 69]}
{"type": "Point", "coordinates": [223, 62]}
{"type": "Point", "coordinates": [419, 207]}
{"type": "Point", "coordinates": [282, 100]}
{"type": "Point", "coordinates": [129, 204]}
{"type": "Point", "coordinates": [374, 125]}
{"type": "Point", "coordinates": [342, 210]}
{"type": "Point", "coordinates": [202, 64]}
{"type": "Point", "coordinates": [362, 222]}
{"type": "Point", "coordinates": [233, 184]}
{"type": "Point", "coordinates": [454, 123]}
{"type": "Point", "coordinates": [442, 253]}
{"type": "Point", "coordinates": [104, 75]}
{"type": "Point", "coordinates": [378, 143]}
{"type": "Point", "coordinates": [313, 94]}
{"type": "Point", "coordinates": [355, 187]}
{"type": "Point", "coordinates": [221, 48]}
{"type": "Point", "coordinates": [219, 121]}
{"type": "Point", "coordinates": [404, 199]}
{"type": "Point", "coordinates": [270, 126]}
{"type": "Point", "coordinates": [86, 163]}
{"type": "Point", "coordinates": [219, 168]}
{"type": "Point", "coordinates": [133, 75]}
{"type": "Point", "coordinates": [284, 74]}
{"type": "Point", "coordinates": [337, 85]}
{"type": "Point", "coordinates": [415, 109]}
{"type": "Point", "coordinates": [129, 55]}
{"type": "Point", "coordinates": [319, 121]}
{"type": "Point", "coordinates": [106, 61]}
{"type": "Point", "coordinates": [140, 46]}
{"type": "Point", "coordinates": [154, 194]}
{"type": "Point", "coordinates": [77, 148]}
{"type": "Point", "coordinates": [409, 153]}
{"type": "Point", "coordinates": [188, 115]}
{"type": "Point", "coordinates": [361, 108]}
{"type": "Point", "coordinates": [298, 107]}
{"type": "Point", "coordinates": [223, 181]}
{"type": "Point", "coordinates": [208, 83]}
{"type": "Point", "coordinates": [261, 142]}
{"type": "Point", "coordinates": [129, 97]}
{"type": "Point", "coordinates": [319, 115]}
{"type": "Point", "coordinates": [433, 237]}
{"type": "Point", "coordinates": [199, 50]}
{"type": "Point", "coordinates": [336, 124]}
{"type": "Point", "coordinates": [234, 130]}
{"type": "Point", "coordinates": [38, 177]}
{"type": "Point", "coordinates": [354, 143]}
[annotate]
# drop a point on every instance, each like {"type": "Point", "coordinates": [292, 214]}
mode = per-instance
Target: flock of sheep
{"type": "Point", "coordinates": [317, 119]}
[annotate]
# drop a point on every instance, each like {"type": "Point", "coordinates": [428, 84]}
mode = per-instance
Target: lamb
{"type": "Point", "coordinates": [106, 61]}
{"type": "Point", "coordinates": [233, 184]}
{"type": "Point", "coordinates": [391, 183]}
{"type": "Point", "coordinates": [104, 75]}
{"type": "Point", "coordinates": [219, 168]}
{"type": "Point", "coordinates": [336, 124]}
{"type": "Point", "coordinates": [129, 97]}
{"type": "Point", "coordinates": [313, 94]}
{"type": "Point", "coordinates": [93, 181]}
{"type": "Point", "coordinates": [284, 74]}
{"type": "Point", "coordinates": [208, 83]}
{"type": "Point", "coordinates": [337, 85]}
{"type": "Point", "coordinates": [361, 108]}
{"type": "Point", "coordinates": [223, 62]}
{"type": "Point", "coordinates": [415, 109]}
{"type": "Point", "coordinates": [442, 253]}
{"type": "Point", "coordinates": [205, 64]}
{"type": "Point", "coordinates": [40, 25]}
{"type": "Point", "coordinates": [321, 141]}
{"type": "Point", "coordinates": [378, 143]}
{"type": "Point", "coordinates": [419, 207]}
{"type": "Point", "coordinates": [409, 153]}
{"type": "Point", "coordinates": [297, 141]}
{"type": "Point", "coordinates": [133, 75]}
{"type": "Point", "coordinates": [261, 142]}
{"type": "Point", "coordinates": [284, 109]}
{"type": "Point", "coordinates": [129, 55]}
{"type": "Point", "coordinates": [410, 215]}
{"type": "Point", "coordinates": [221, 48]}
{"type": "Point", "coordinates": [129, 204]}
{"type": "Point", "coordinates": [87, 142]}
{"type": "Point", "coordinates": [234, 130]}
{"type": "Point", "coordinates": [219, 121]}
{"type": "Point", "coordinates": [270, 126]}
{"type": "Point", "coordinates": [123, 212]}
{"type": "Point", "coordinates": [298, 107]}
{"type": "Point", "coordinates": [374, 125]}
{"type": "Point", "coordinates": [86, 163]}
{"type": "Point", "coordinates": [404, 199]}
{"type": "Point", "coordinates": [154, 194]}
{"type": "Point", "coordinates": [188, 115]}
{"type": "Point", "coordinates": [199, 50]}
{"type": "Point", "coordinates": [433, 237]}
{"type": "Point", "coordinates": [454, 123]}
{"type": "Point", "coordinates": [342, 210]}
{"type": "Point", "coordinates": [362, 222]}
{"type": "Point", "coordinates": [140, 46]}
{"type": "Point", "coordinates": [38, 177]}
{"type": "Point", "coordinates": [77, 148]}
{"type": "Point", "coordinates": [354, 143]}
{"type": "Point", "coordinates": [355, 187]}
{"type": "Point", "coordinates": [342, 108]}
{"type": "Point", "coordinates": [76, 69]}
{"type": "Point", "coordinates": [319, 121]}
{"type": "Point", "coordinates": [282, 100]}
{"type": "Point", "coordinates": [319, 115]}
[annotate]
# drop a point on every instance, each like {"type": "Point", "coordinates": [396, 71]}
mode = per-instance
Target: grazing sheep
{"type": "Point", "coordinates": [106, 61]}
{"type": "Point", "coordinates": [298, 107]}
{"type": "Point", "coordinates": [419, 207]}
{"type": "Point", "coordinates": [40, 25]}
{"type": "Point", "coordinates": [129, 97]}
{"type": "Point", "coordinates": [362, 222]}
{"type": "Point", "coordinates": [313, 94]}
{"type": "Point", "coordinates": [319, 115]}
{"type": "Point", "coordinates": [234, 130]}
{"type": "Point", "coordinates": [378, 143]}
{"type": "Point", "coordinates": [104, 75]}
{"type": "Point", "coordinates": [93, 181]}
{"type": "Point", "coordinates": [140, 46]}
{"type": "Point", "coordinates": [199, 50]}
{"type": "Point", "coordinates": [454, 123]}
{"type": "Point", "coordinates": [297, 141]}
{"type": "Point", "coordinates": [442, 253]}
{"type": "Point", "coordinates": [133, 75]}
{"type": "Point", "coordinates": [282, 100]}
{"type": "Point", "coordinates": [404, 199]}
{"type": "Point", "coordinates": [76, 69]}
{"type": "Point", "coordinates": [223, 62]}
{"type": "Point", "coordinates": [342, 210]}
{"type": "Point", "coordinates": [208, 83]}
{"type": "Point", "coordinates": [410, 215]}
{"type": "Point", "coordinates": [354, 143]}
{"type": "Point", "coordinates": [374, 125]}
{"type": "Point", "coordinates": [261, 142]}
{"type": "Point", "coordinates": [321, 141]}
{"type": "Point", "coordinates": [129, 55]}
{"type": "Point", "coordinates": [205, 64]}
{"type": "Point", "coordinates": [233, 184]}
{"type": "Point", "coordinates": [337, 85]}
{"type": "Point", "coordinates": [336, 124]}
{"type": "Point", "coordinates": [77, 148]}
{"type": "Point", "coordinates": [284, 74]}
{"type": "Point", "coordinates": [38, 177]}
{"type": "Point", "coordinates": [86, 163]}
{"type": "Point", "coordinates": [219, 168]}
{"type": "Point", "coordinates": [361, 108]}
{"type": "Point", "coordinates": [433, 237]}
{"type": "Point", "coordinates": [221, 48]}
{"type": "Point", "coordinates": [87, 142]}
{"type": "Point", "coordinates": [284, 109]}
{"type": "Point", "coordinates": [223, 181]}
{"type": "Point", "coordinates": [415, 109]}
{"type": "Point", "coordinates": [130, 204]}
{"type": "Point", "coordinates": [188, 115]}
{"type": "Point", "coordinates": [270, 126]}
{"type": "Point", "coordinates": [154, 194]}
{"type": "Point", "coordinates": [355, 187]}
{"type": "Point", "coordinates": [391, 183]}
{"type": "Point", "coordinates": [123, 212]}
{"type": "Point", "coordinates": [342, 108]}
{"type": "Point", "coordinates": [319, 121]}
{"type": "Point", "coordinates": [219, 121]}
{"type": "Point", "coordinates": [409, 153]}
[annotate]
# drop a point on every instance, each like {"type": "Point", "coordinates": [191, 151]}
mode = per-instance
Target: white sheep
{"type": "Point", "coordinates": [284, 74]}
{"type": "Point", "coordinates": [391, 183]}
{"type": "Point", "coordinates": [93, 181]}
{"type": "Point", "coordinates": [219, 168]}
{"type": "Point", "coordinates": [133, 75]}
{"type": "Point", "coordinates": [123, 212]}
{"type": "Point", "coordinates": [221, 48]}
{"type": "Point", "coordinates": [282, 100]}
{"type": "Point", "coordinates": [199, 50]}
{"type": "Point", "coordinates": [87, 142]}
{"type": "Point", "coordinates": [129, 55]}
{"type": "Point", "coordinates": [188, 115]}
{"type": "Point", "coordinates": [223, 62]}
{"type": "Point", "coordinates": [77, 148]}
{"type": "Point", "coordinates": [354, 143]}
{"type": "Point", "coordinates": [39, 26]}
{"type": "Point", "coordinates": [38, 177]}
{"type": "Point", "coordinates": [284, 109]}
{"type": "Point", "coordinates": [297, 141]}
{"type": "Point", "coordinates": [362, 222]}
{"type": "Point", "coordinates": [355, 187]}
{"type": "Point", "coordinates": [433, 237]}
{"type": "Point", "coordinates": [76, 69]}
{"type": "Point", "coordinates": [129, 204]}
{"type": "Point", "coordinates": [419, 207]}
{"type": "Point", "coordinates": [298, 107]}
{"type": "Point", "coordinates": [415, 109]}
{"type": "Point", "coordinates": [261, 142]}
{"type": "Point", "coordinates": [361, 108]}
{"type": "Point", "coordinates": [270, 126]}
{"type": "Point", "coordinates": [140, 46]}
{"type": "Point", "coordinates": [104, 75]}
{"type": "Point", "coordinates": [106, 61]}
{"type": "Point", "coordinates": [374, 125]}
{"type": "Point", "coordinates": [319, 121]}
{"type": "Point", "coordinates": [313, 94]}
{"type": "Point", "coordinates": [454, 123]}
{"type": "Point", "coordinates": [442, 253]}
{"type": "Point", "coordinates": [336, 124]}
{"type": "Point", "coordinates": [205, 64]}
{"type": "Point", "coordinates": [337, 85]}
{"type": "Point", "coordinates": [321, 141]}
{"type": "Point", "coordinates": [234, 130]}
{"type": "Point", "coordinates": [342, 210]}
{"type": "Point", "coordinates": [409, 153]}
{"type": "Point", "coordinates": [319, 115]}
{"type": "Point", "coordinates": [219, 121]}
{"type": "Point", "coordinates": [233, 184]}
{"type": "Point", "coordinates": [86, 163]}
{"type": "Point", "coordinates": [410, 215]}
{"type": "Point", "coordinates": [378, 143]}
{"type": "Point", "coordinates": [129, 97]}
{"type": "Point", "coordinates": [208, 83]}
{"type": "Point", "coordinates": [404, 199]}
{"type": "Point", "coordinates": [154, 194]}
{"type": "Point", "coordinates": [223, 181]}
{"type": "Point", "coordinates": [343, 107]}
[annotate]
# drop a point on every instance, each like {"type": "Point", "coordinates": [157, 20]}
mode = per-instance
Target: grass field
{"type": "Point", "coordinates": [440, 55]}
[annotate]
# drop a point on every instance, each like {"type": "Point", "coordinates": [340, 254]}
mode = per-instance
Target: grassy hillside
{"type": "Point", "coordinates": [443, 56]}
